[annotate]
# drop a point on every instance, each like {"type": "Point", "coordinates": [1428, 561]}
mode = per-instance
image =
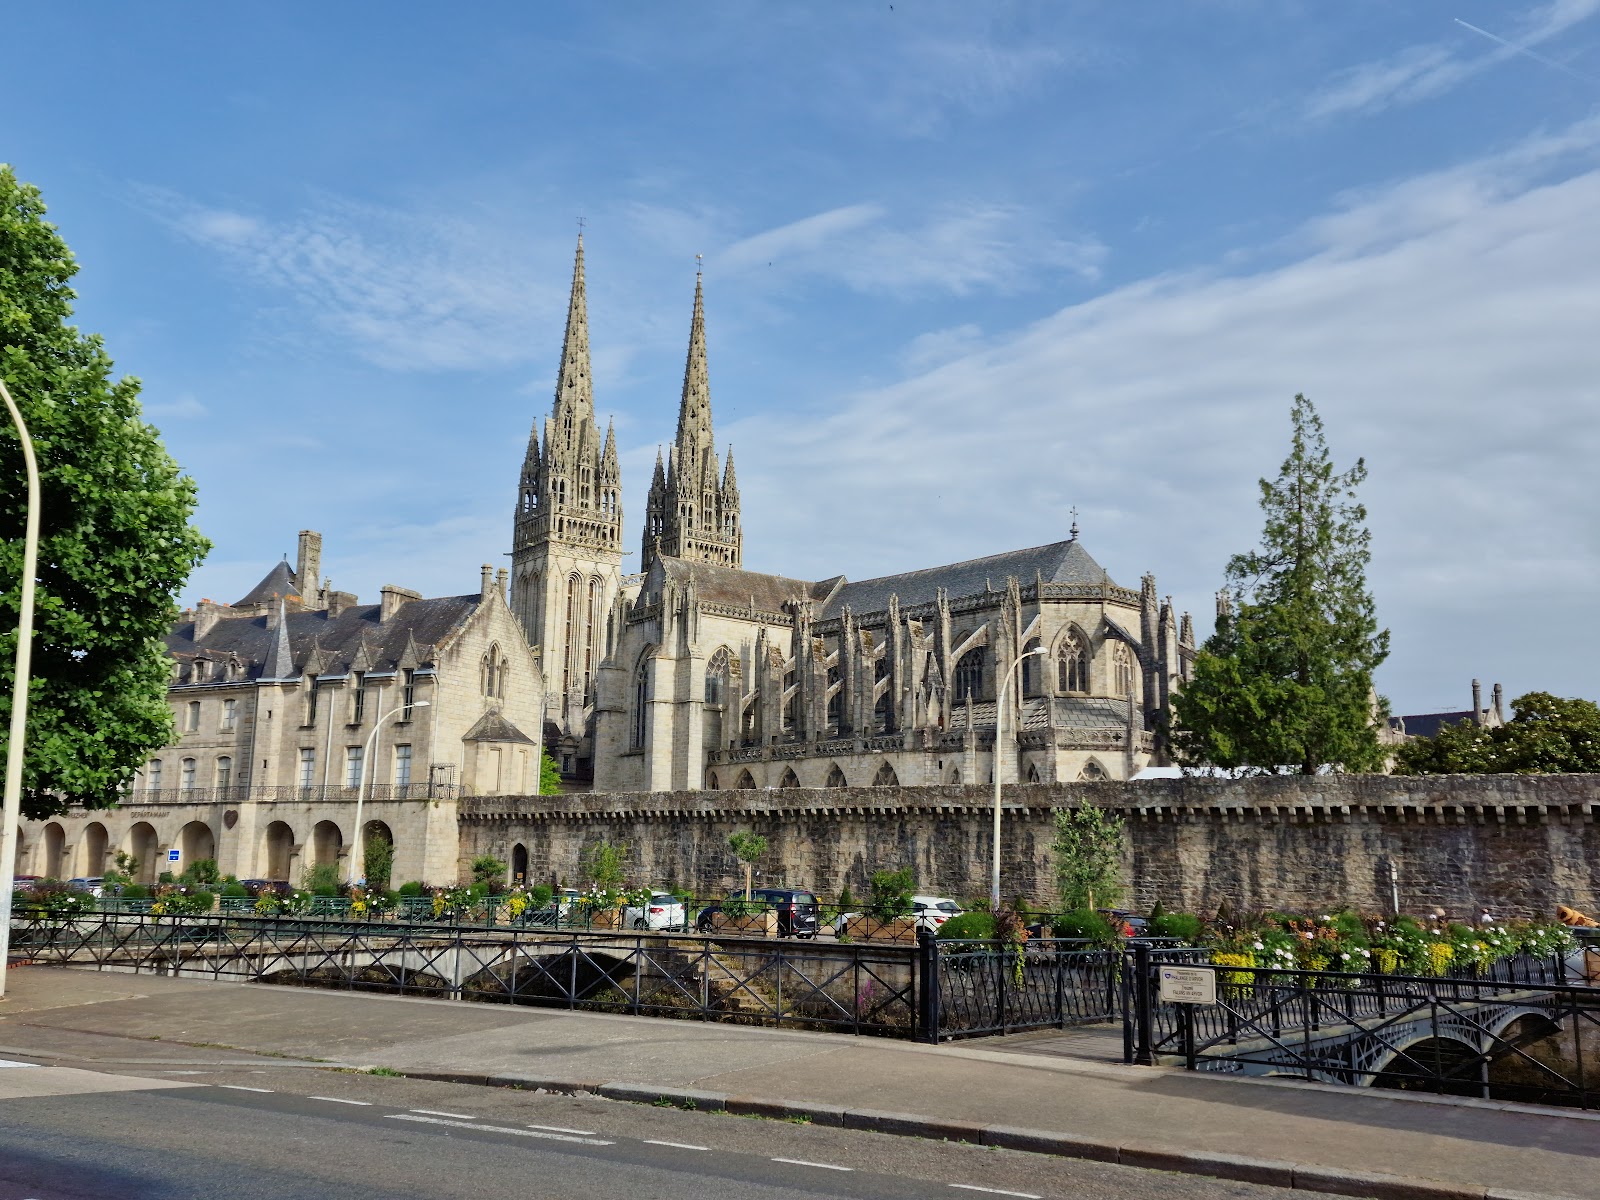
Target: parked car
{"type": "Point", "coordinates": [796, 909]}
{"type": "Point", "coordinates": [23, 883]}
{"type": "Point", "coordinates": [662, 911]}
{"type": "Point", "coordinates": [933, 911]}
{"type": "Point", "coordinates": [95, 885]}
{"type": "Point", "coordinates": [1130, 924]}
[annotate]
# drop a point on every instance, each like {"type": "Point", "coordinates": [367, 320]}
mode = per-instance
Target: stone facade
{"type": "Point", "coordinates": [1515, 845]}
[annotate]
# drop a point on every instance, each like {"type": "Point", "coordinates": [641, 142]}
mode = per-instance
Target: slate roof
{"type": "Point", "coordinates": [1071, 712]}
{"type": "Point", "coordinates": [732, 586]}
{"type": "Point", "coordinates": [1058, 562]}
{"type": "Point", "coordinates": [1428, 724]}
{"type": "Point", "coordinates": [492, 727]}
{"type": "Point", "coordinates": [423, 622]}
{"type": "Point", "coordinates": [280, 581]}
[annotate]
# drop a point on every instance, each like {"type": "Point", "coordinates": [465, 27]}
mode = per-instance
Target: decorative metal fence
{"type": "Point", "coordinates": [985, 988]}
{"type": "Point", "coordinates": [1516, 1030]}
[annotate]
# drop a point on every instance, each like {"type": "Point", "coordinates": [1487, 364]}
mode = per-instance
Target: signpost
{"type": "Point", "coordinates": [172, 856]}
{"type": "Point", "coordinates": [1188, 985]}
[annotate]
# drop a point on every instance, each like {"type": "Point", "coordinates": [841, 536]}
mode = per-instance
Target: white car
{"type": "Point", "coordinates": [661, 911]}
{"type": "Point", "coordinates": [933, 911]}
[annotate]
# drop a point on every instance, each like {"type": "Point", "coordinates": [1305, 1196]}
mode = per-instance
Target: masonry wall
{"type": "Point", "coordinates": [1515, 845]}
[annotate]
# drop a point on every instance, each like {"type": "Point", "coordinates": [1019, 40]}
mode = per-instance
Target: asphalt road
{"type": "Point", "coordinates": [292, 1134]}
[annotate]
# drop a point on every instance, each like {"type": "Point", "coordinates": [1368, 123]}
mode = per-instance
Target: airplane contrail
{"type": "Point", "coordinates": [1516, 49]}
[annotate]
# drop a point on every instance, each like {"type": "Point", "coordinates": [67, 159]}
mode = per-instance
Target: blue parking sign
{"type": "Point", "coordinates": [172, 856]}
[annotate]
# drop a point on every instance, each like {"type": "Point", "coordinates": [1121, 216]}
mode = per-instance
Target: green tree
{"type": "Point", "coordinates": [1547, 735]}
{"type": "Point", "coordinates": [747, 848]}
{"type": "Point", "coordinates": [115, 539]}
{"type": "Point", "coordinates": [1088, 855]}
{"type": "Point", "coordinates": [549, 775]}
{"type": "Point", "coordinates": [604, 864]}
{"type": "Point", "coordinates": [377, 861]}
{"type": "Point", "coordinates": [1285, 682]}
{"type": "Point", "coordinates": [487, 869]}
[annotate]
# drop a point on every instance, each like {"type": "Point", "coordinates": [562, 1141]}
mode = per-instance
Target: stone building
{"type": "Point", "coordinates": [277, 699]}
{"type": "Point", "coordinates": [697, 673]}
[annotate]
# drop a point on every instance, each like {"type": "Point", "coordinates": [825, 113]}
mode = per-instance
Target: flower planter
{"type": "Point", "coordinates": [875, 929]}
{"type": "Point", "coordinates": [605, 919]}
{"type": "Point", "coordinates": [763, 924]}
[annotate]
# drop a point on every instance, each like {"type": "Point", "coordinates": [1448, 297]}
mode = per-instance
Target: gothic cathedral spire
{"type": "Point", "coordinates": [566, 549]}
{"type": "Point", "coordinates": [692, 513]}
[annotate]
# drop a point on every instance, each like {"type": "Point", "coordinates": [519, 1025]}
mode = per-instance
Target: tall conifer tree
{"type": "Point", "coordinates": [115, 540]}
{"type": "Point", "coordinates": [1285, 682]}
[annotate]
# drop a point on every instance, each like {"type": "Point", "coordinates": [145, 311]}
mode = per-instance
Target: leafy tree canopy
{"type": "Point", "coordinates": [1088, 857]}
{"type": "Point", "coordinates": [1547, 735]}
{"type": "Point", "coordinates": [549, 775]}
{"type": "Point", "coordinates": [115, 539]}
{"type": "Point", "coordinates": [1285, 682]}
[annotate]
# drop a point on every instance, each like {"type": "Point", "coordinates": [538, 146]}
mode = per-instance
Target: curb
{"type": "Point", "coordinates": [1303, 1177]}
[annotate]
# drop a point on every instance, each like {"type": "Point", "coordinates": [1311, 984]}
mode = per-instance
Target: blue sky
{"type": "Point", "coordinates": [967, 267]}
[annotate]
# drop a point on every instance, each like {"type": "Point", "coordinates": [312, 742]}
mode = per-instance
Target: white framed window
{"type": "Point", "coordinates": [308, 767]}
{"type": "Point", "coordinates": [187, 778]}
{"type": "Point", "coordinates": [152, 776]}
{"type": "Point", "coordinates": [224, 772]}
{"type": "Point", "coordinates": [352, 765]}
{"type": "Point", "coordinates": [402, 766]}
{"type": "Point", "coordinates": [230, 713]}
{"type": "Point", "coordinates": [192, 719]}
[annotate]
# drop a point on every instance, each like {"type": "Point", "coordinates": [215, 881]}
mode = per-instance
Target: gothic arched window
{"type": "Point", "coordinates": [1032, 676]}
{"type": "Point", "coordinates": [835, 776]}
{"type": "Point", "coordinates": [569, 657]}
{"type": "Point", "coordinates": [745, 782]}
{"type": "Point", "coordinates": [886, 777]}
{"type": "Point", "coordinates": [641, 703]}
{"type": "Point", "coordinates": [1122, 669]}
{"type": "Point", "coordinates": [591, 629]}
{"type": "Point", "coordinates": [717, 677]}
{"type": "Point", "coordinates": [969, 676]}
{"type": "Point", "coordinates": [790, 779]}
{"type": "Point", "coordinates": [1072, 665]}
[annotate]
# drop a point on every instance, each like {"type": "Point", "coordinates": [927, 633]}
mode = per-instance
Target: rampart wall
{"type": "Point", "coordinates": [1515, 845]}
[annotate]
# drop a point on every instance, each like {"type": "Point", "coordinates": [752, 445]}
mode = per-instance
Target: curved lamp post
{"type": "Point", "coordinates": [11, 812]}
{"type": "Point", "coordinates": [999, 715]}
{"type": "Point", "coordinates": [366, 782]}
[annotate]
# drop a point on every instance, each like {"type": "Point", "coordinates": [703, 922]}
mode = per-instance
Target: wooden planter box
{"type": "Point", "coordinates": [609, 919]}
{"type": "Point", "coordinates": [874, 929]}
{"type": "Point", "coordinates": [761, 925]}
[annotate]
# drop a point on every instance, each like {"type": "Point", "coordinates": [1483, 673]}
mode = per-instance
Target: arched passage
{"type": "Point", "coordinates": [1444, 1065]}
{"type": "Point", "coordinates": [20, 866]}
{"type": "Point", "coordinates": [195, 842]}
{"type": "Point", "coordinates": [280, 848]}
{"type": "Point", "coordinates": [144, 846]}
{"type": "Point", "coordinates": [519, 863]}
{"type": "Point", "coordinates": [326, 842]}
{"type": "Point", "coordinates": [93, 849]}
{"type": "Point", "coordinates": [55, 840]}
{"type": "Point", "coordinates": [377, 853]}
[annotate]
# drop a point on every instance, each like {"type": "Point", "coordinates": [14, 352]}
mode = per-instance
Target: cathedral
{"type": "Point", "coordinates": [694, 673]}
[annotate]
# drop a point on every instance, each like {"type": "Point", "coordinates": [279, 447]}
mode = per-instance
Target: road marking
{"type": "Point", "coordinates": [6, 1062]}
{"type": "Point", "coordinates": [972, 1187]}
{"type": "Point", "coordinates": [674, 1145]}
{"type": "Point", "coordinates": [434, 1112]}
{"type": "Point", "coordinates": [239, 1087]}
{"type": "Point", "coordinates": [800, 1162]}
{"type": "Point", "coordinates": [337, 1100]}
{"type": "Point", "coordinates": [564, 1129]}
{"type": "Point", "coordinates": [554, 1137]}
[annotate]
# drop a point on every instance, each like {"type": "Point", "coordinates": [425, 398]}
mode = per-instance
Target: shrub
{"type": "Point", "coordinates": [891, 893]}
{"type": "Point", "coordinates": [201, 870]}
{"type": "Point", "coordinates": [487, 869]}
{"type": "Point", "coordinates": [233, 889]}
{"type": "Point", "coordinates": [1186, 926]}
{"type": "Point", "coordinates": [846, 900]}
{"type": "Point", "coordinates": [412, 888]}
{"type": "Point", "coordinates": [975, 925]}
{"type": "Point", "coordinates": [322, 880]}
{"type": "Point", "coordinates": [603, 864]}
{"type": "Point", "coordinates": [1084, 923]}
{"type": "Point", "coordinates": [136, 891]}
{"type": "Point", "coordinates": [540, 895]}
{"type": "Point", "coordinates": [377, 860]}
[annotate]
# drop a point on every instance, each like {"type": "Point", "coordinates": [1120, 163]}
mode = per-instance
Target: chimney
{"type": "Point", "coordinates": [487, 581]}
{"type": "Point", "coordinates": [337, 602]}
{"type": "Point", "coordinates": [206, 616]}
{"type": "Point", "coordinates": [394, 596]}
{"type": "Point", "coordinates": [1499, 705]}
{"type": "Point", "coordinates": [500, 578]}
{"type": "Point", "coordinates": [1477, 703]}
{"type": "Point", "coordinates": [308, 567]}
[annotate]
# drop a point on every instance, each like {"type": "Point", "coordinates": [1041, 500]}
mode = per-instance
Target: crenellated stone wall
{"type": "Point", "coordinates": [1513, 844]}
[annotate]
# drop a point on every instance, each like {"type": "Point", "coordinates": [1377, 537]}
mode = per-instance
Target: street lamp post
{"type": "Point", "coordinates": [11, 811]}
{"type": "Point", "coordinates": [361, 791]}
{"type": "Point", "coordinates": [538, 732]}
{"type": "Point", "coordinates": [999, 722]}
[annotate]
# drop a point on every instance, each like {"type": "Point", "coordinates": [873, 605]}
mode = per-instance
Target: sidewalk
{"type": "Point", "coordinates": [1040, 1082]}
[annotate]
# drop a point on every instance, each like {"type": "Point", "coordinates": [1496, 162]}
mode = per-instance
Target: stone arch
{"type": "Point", "coordinates": [1033, 773]}
{"type": "Point", "coordinates": [196, 841]}
{"type": "Point", "coordinates": [835, 776]}
{"type": "Point", "coordinates": [711, 780]}
{"type": "Point", "coordinates": [144, 845]}
{"type": "Point", "coordinates": [519, 864]}
{"type": "Point", "coordinates": [886, 776]}
{"type": "Point", "coordinates": [717, 676]}
{"type": "Point", "coordinates": [953, 776]}
{"type": "Point", "coordinates": [92, 849]}
{"type": "Point", "coordinates": [55, 843]}
{"type": "Point", "coordinates": [746, 782]}
{"type": "Point", "coordinates": [790, 779]}
{"type": "Point", "coordinates": [371, 832]}
{"type": "Point", "coordinates": [968, 676]}
{"type": "Point", "coordinates": [1092, 770]}
{"type": "Point", "coordinates": [1443, 1065]}
{"type": "Point", "coordinates": [279, 840]}
{"type": "Point", "coordinates": [326, 843]}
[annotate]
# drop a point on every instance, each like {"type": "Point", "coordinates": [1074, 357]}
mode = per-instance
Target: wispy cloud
{"type": "Point", "coordinates": [411, 290]}
{"type": "Point", "coordinates": [180, 408]}
{"type": "Point", "coordinates": [1424, 71]}
{"type": "Point", "coordinates": [956, 250]}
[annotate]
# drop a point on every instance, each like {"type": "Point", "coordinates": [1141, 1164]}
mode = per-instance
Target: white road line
{"type": "Point", "coordinates": [6, 1062]}
{"type": "Point", "coordinates": [674, 1145]}
{"type": "Point", "coordinates": [239, 1087]}
{"type": "Point", "coordinates": [336, 1100]}
{"type": "Point", "coordinates": [434, 1112]}
{"type": "Point", "coordinates": [553, 1137]}
{"type": "Point", "coordinates": [972, 1187]}
{"type": "Point", "coordinates": [800, 1162]}
{"type": "Point", "coordinates": [564, 1129]}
